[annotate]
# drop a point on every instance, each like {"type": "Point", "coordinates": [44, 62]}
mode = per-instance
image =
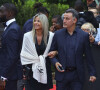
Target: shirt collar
{"type": "Point", "coordinates": [81, 12]}
{"type": "Point", "coordinates": [10, 21]}
{"type": "Point", "coordinates": [75, 31]}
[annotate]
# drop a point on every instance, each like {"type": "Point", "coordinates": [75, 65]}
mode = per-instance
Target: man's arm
{"type": "Point", "coordinates": [12, 52]}
{"type": "Point", "coordinates": [54, 48]}
{"type": "Point", "coordinates": [89, 59]}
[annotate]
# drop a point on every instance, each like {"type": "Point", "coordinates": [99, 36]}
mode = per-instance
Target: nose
{"type": "Point", "coordinates": [64, 21]}
{"type": "Point", "coordinates": [54, 24]}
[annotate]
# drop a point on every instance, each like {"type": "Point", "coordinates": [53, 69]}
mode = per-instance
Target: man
{"type": "Point", "coordinates": [94, 11]}
{"type": "Point", "coordinates": [71, 43]}
{"type": "Point", "coordinates": [57, 23]}
{"type": "Point", "coordinates": [10, 65]}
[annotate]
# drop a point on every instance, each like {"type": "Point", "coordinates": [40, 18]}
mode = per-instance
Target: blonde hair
{"type": "Point", "coordinates": [88, 26]}
{"type": "Point", "coordinates": [45, 25]}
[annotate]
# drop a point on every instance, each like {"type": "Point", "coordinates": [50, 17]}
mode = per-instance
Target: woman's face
{"type": "Point", "coordinates": [86, 30]}
{"type": "Point", "coordinates": [37, 24]}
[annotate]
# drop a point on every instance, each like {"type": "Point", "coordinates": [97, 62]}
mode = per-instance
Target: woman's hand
{"type": "Point", "coordinates": [92, 79]}
{"type": "Point", "coordinates": [52, 54]}
{"type": "Point", "coordinates": [91, 38]}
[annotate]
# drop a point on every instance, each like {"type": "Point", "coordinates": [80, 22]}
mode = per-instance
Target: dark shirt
{"type": "Point", "coordinates": [40, 48]}
{"type": "Point", "coordinates": [70, 49]}
{"type": "Point", "coordinates": [98, 18]}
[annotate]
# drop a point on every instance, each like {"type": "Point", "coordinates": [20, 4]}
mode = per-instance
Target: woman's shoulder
{"type": "Point", "coordinates": [28, 34]}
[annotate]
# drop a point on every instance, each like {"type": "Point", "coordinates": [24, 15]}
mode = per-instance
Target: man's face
{"type": "Point", "coordinates": [3, 14]}
{"type": "Point", "coordinates": [89, 2]}
{"type": "Point", "coordinates": [54, 21]}
{"type": "Point", "coordinates": [68, 20]}
{"type": "Point", "coordinates": [94, 11]}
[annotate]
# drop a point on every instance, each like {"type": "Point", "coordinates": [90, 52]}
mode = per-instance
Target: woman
{"type": "Point", "coordinates": [89, 28]}
{"type": "Point", "coordinates": [36, 45]}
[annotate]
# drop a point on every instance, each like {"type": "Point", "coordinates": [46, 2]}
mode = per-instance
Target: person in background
{"type": "Point", "coordinates": [94, 10]}
{"type": "Point", "coordinates": [91, 3]}
{"type": "Point", "coordinates": [57, 23]}
{"type": "Point", "coordinates": [10, 65]}
{"type": "Point", "coordinates": [93, 37]}
{"type": "Point", "coordinates": [97, 38]}
{"type": "Point", "coordinates": [34, 53]}
{"type": "Point", "coordinates": [71, 43]}
{"type": "Point", "coordinates": [89, 17]}
{"type": "Point", "coordinates": [89, 28]}
{"type": "Point", "coordinates": [29, 23]}
{"type": "Point", "coordinates": [79, 7]}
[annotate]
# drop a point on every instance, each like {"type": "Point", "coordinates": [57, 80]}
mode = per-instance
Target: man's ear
{"type": "Point", "coordinates": [75, 20]}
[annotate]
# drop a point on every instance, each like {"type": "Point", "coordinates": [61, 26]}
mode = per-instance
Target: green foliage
{"type": "Point", "coordinates": [26, 10]}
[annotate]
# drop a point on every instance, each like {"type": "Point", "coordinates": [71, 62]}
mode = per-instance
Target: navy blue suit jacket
{"type": "Point", "coordinates": [10, 65]}
{"type": "Point", "coordinates": [82, 46]}
{"type": "Point", "coordinates": [28, 26]}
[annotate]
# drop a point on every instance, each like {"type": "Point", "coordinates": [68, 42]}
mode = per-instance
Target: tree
{"type": "Point", "coordinates": [69, 2]}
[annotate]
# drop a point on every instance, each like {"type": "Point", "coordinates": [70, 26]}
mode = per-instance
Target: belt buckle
{"type": "Point", "coordinates": [67, 70]}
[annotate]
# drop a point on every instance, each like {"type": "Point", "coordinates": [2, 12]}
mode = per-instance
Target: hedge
{"type": "Point", "coordinates": [26, 10]}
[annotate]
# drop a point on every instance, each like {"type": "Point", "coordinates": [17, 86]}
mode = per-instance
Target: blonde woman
{"type": "Point", "coordinates": [89, 28]}
{"type": "Point", "coordinates": [36, 45]}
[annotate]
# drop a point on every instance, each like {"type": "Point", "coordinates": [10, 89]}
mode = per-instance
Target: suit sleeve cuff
{"type": "Point", "coordinates": [53, 61]}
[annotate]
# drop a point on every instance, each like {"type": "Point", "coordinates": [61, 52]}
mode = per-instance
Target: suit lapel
{"type": "Point", "coordinates": [64, 39]}
{"type": "Point", "coordinates": [7, 29]}
{"type": "Point", "coordinates": [77, 39]}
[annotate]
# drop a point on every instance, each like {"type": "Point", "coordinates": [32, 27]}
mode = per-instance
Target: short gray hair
{"type": "Point", "coordinates": [74, 12]}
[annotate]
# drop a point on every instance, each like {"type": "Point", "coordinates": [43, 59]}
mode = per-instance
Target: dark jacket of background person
{"type": "Point", "coordinates": [81, 20]}
{"type": "Point", "coordinates": [90, 18]}
{"type": "Point", "coordinates": [28, 25]}
{"type": "Point", "coordinates": [98, 18]}
{"type": "Point", "coordinates": [82, 46]}
{"type": "Point", "coordinates": [87, 16]}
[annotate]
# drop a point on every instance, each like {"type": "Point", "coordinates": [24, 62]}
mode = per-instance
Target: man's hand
{"type": "Point", "coordinates": [52, 29]}
{"type": "Point", "coordinates": [52, 54]}
{"type": "Point", "coordinates": [91, 38]}
{"type": "Point", "coordinates": [2, 84]}
{"type": "Point", "coordinates": [92, 79]}
{"type": "Point", "coordinates": [57, 65]}
{"type": "Point", "coordinates": [99, 43]}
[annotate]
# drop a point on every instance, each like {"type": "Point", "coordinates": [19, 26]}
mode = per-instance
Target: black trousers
{"type": "Point", "coordinates": [11, 85]}
{"type": "Point", "coordinates": [34, 85]}
{"type": "Point", "coordinates": [21, 84]}
{"type": "Point", "coordinates": [70, 82]}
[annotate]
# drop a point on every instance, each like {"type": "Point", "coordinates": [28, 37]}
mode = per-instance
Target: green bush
{"type": "Point", "coordinates": [26, 10]}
